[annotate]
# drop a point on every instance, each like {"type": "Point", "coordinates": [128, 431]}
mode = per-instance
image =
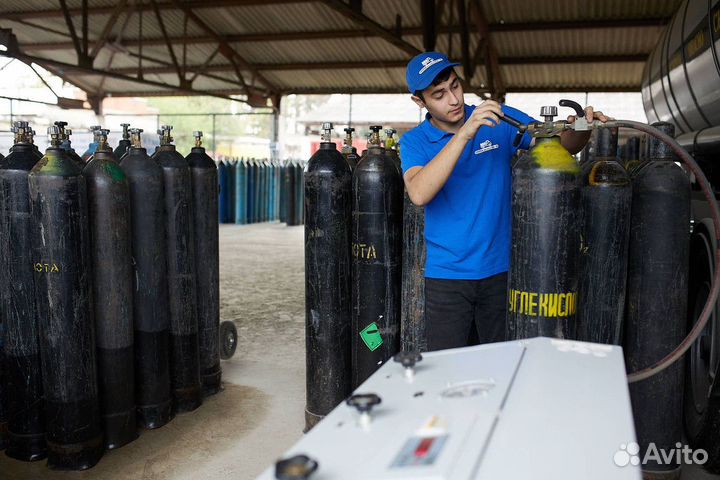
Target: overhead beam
{"type": "Point", "coordinates": [107, 29]}
{"type": "Point", "coordinates": [64, 68]}
{"type": "Point", "coordinates": [356, 33]}
{"type": "Point", "coordinates": [195, 5]}
{"type": "Point", "coordinates": [269, 67]}
{"type": "Point", "coordinates": [168, 44]}
{"type": "Point", "coordinates": [492, 64]}
{"type": "Point", "coordinates": [226, 50]}
{"type": "Point", "coordinates": [71, 28]}
{"type": "Point", "coordinates": [429, 21]}
{"type": "Point", "coordinates": [369, 24]}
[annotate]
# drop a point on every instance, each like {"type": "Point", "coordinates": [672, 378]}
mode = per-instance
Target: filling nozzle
{"type": "Point", "coordinates": [390, 142]}
{"type": "Point", "coordinates": [374, 138]}
{"type": "Point", "coordinates": [135, 137]}
{"type": "Point", "coordinates": [21, 131]}
{"type": "Point", "coordinates": [198, 138]}
{"type": "Point", "coordinates": [165, 135]}
{"type": "Point", "coordinates": [327, 132]}
{"type": "Point", "coordinates": [61, 129]}
{"type": "Point", "coordinates": [55, 135]}
{"type": "Point", "coordinates": [102, 136]}
{"type": "Point", "coordinates": [552, 128]}
{"type": "Point", "coordinates": [348, 136]}
{"type": "Point", "coordinates": [95, 129]}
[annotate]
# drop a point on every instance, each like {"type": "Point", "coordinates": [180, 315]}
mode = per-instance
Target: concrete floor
{"type": "Point", "coordinates": [240, 432]}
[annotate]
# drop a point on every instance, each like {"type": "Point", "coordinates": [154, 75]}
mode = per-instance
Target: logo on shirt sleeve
{"type": "Point", "coordinates": [485, 146]}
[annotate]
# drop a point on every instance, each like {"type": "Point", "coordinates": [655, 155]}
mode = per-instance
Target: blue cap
{"type": "Point", "coordinates": [424, 68]}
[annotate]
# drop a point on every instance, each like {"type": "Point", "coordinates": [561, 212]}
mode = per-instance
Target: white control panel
{"type": "Point", "coordinates": [532, 409]}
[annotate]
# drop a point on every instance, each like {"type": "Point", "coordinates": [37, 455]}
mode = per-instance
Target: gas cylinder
{"type": "Point", "coordinates": [412, 316]}
{"type": "Point", "coordinates": [224, 187]}
{"type": "Point", "coordinates": [110, 234]}
{"type": "Point", "coordinates": [232, 190]}
{"type": "Point", "coordinates": [631, 153]}
{"type": "Point", "coordinates": [3, 389]}
{"type": "Point", "coordinates": [95, 130]}
{"type": "Point", "coordinates": [63, 295]}
{"type": "Point", "coordinates": [206, 249]}
{"type": "Point", "coordinates": [376, 252]}
{"type": "Point", "coordinates": [283, 193]}
{"type": "Point", "coordinates": [266, 194]}
{"type": "Point", "coordinates": [290, 193]}
{"type": "Point", "coordinates": [22, 385]}
{"type": "Point", "coordinates": [542, 295]}
{"type": "Point", "coordinates": [299, 195]}
{"type": "Point", "coordinates": [150, 298]}
{"type": "Point", "coordinates": [348, 151]}
{"type": "Point", "coordinates": [260, 191]}
{"type": "Point", "coordinates": [328, 197]}
{"type": "Point", "coordinates": [180, 255]}
{"type": "Point", "coordinates": [657, 290]}
{"type": "Point", "coordinates": [241, 192]}
{"type": "Point", "coordinates": [250, 203]}
{"type": "Point", "coordinates": [124, 143]}
{"type": "Point", "coordinates": [67, 144]}
{"type": "Point", "coordinates": [391, 147]}
{"type": "Point", "coordinates": [256, 191]}
{"type": "Point", "coordinates": [606, 198]}
{"type": "Point", "coordinates": [271, 192]}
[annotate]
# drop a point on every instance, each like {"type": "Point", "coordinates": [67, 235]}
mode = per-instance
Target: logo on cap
{"type": "Point", "coordinates": [429, 62]}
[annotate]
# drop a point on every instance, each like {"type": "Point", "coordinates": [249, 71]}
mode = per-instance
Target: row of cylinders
{"type": "Point", "coordinates": [260, 190]}
{"type": "Point", "coordinates": [600, 253]}
{"type": "Point", "coordinates": [353, 267]}
{"type": "Point", "coordinates": [111, 304]}
{"type": "Point", "coordinates": [611, 231]}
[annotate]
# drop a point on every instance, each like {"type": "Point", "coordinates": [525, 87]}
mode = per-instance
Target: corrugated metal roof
{"type": "Point", "coordinates": [518, 11]}
{"type": "Point", "coordinates": [269, 22]}
{"type": "Point", "coordinates": [558, 43]}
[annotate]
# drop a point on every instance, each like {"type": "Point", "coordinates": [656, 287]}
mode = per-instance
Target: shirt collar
{"type": "Point", "coordinates": [433, 133]}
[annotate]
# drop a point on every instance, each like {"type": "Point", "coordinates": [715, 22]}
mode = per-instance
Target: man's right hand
{"type": "Point", "coordinates": [487, 113]}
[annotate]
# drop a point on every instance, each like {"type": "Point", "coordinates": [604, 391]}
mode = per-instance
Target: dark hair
{"type": "Point", "coordinates": [443, 76]}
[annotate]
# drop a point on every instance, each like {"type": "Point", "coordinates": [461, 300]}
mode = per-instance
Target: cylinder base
{"type": "Point", "coordinates": [155, 416]}
{"type": "Point", "coordinates": [75, 456]}
{"type": "Point", "coordinates": [311, 420]}
{"type": "Point", "coordinates": [27, 448]}
{"type": "Point", "coordinates": [212, 381]}
{"type": "Point", "coordinates": [120, 429]}
{"type": "Point", "coordinates": [188, 399]}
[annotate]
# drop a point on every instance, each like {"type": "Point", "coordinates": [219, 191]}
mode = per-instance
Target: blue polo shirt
{"type": "Point", "coordinates": [468, 223]}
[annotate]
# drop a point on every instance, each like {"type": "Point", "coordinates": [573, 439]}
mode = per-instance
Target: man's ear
{"type": "Point", "coordinates": [418, 101]}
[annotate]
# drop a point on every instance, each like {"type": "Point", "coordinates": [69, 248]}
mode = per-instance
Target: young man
{"type": "Point", "coordinates": [457, 164]}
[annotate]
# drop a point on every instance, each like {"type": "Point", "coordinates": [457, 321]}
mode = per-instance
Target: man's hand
{"type": "Point", "coordinates": [487, 113]}
{"type": "Point", "coordinates": [575, 141]}
{"type": "Point", "coordinates": [590, 115]}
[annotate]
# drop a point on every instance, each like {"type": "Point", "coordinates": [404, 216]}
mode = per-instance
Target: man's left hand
{"type": "Point", "coordinates": [591, 115]}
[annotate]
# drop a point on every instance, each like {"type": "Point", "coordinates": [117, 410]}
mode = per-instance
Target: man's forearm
{"type": "Point", "coordinates": [574, 141]}
{"type": "Point", "coordinates": [425, 183]}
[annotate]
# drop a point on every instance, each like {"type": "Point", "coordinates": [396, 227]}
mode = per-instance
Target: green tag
{"type": "Point", "coordinates": [371, 336]}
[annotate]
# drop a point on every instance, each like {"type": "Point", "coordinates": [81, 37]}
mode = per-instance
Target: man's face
{"type": "Point", "coordinates": [445, 100]}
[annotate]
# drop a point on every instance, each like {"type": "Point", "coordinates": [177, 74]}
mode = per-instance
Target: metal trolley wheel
{"type": "Point", "coordinates": [228, 339]}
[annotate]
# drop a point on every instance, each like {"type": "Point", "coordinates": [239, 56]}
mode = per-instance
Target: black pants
{"type": "Point", "coordinates": [459, 313]}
